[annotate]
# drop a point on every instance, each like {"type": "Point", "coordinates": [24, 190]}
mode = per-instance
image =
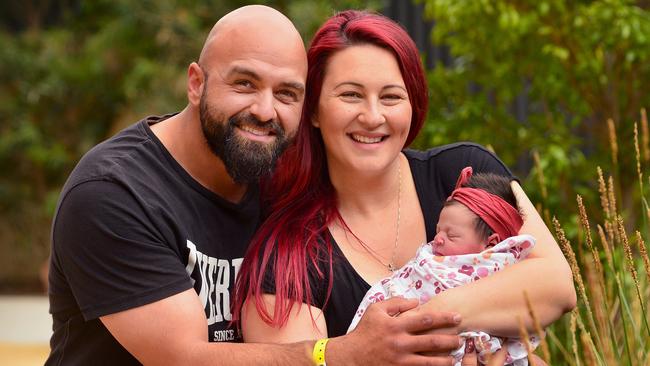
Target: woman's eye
{"type": "Point", "coordinates": [392, 98]}
{"type": "Point", "coordinates": [351, 94]}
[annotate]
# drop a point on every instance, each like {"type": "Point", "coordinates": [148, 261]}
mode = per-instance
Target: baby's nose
{"type": "Point", "coordinates": [438, 239]}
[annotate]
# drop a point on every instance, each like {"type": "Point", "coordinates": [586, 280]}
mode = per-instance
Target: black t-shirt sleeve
{"type": "Point", "coordinates": [107, 247]}
{"type": "Point", "coordinates": [478, 157]}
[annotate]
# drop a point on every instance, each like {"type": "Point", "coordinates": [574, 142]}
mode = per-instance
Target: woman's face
{"type": "Point", "coordinates": [364, 113]}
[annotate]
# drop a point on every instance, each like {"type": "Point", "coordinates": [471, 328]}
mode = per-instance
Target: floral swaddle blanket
{"type": "Point", "coordinates": [427, 274]}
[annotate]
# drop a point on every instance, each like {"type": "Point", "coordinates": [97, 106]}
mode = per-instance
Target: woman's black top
{"type": "Point", "coordinates": [435, 172]}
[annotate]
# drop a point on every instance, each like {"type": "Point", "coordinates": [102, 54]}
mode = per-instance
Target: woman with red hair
{"type": "Point", "coordinates": [348, 204]}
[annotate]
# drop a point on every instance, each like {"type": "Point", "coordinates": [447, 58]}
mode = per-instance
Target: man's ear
{"type": "Point", "coordinates": [314, 120]}
{"type": "Point", "coordinates": [493, 240]}
{"type": "Point", "coordinates": [195, 81]}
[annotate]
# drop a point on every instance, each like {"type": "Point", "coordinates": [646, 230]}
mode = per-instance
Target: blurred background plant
{"type": "Point", "coordinates": [553, 86]}
{"type": "Point", "coordinates": [557, 88]}
{"type": "Point", "coordinates": [74, 73]}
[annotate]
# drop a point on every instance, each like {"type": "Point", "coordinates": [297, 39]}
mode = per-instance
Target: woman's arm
{"type": "Point", "coordinates": [494, 303]}
{"type": "Point", "coordinates": [299, 327]}
{"type": "Point", "coordinates": [381, 337]}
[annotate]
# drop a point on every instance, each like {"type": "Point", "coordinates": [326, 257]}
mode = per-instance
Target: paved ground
{"type": "Point", "coordinates": [25, 329]}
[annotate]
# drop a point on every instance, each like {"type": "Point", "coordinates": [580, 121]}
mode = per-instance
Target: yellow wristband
{"type": "Point", "coordinates": [318, 354]}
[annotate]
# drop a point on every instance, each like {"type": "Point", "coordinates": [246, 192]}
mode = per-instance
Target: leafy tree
{"type": "Point", "coordinates": [76, 72]}
{"type": "Point", "coordinates": [543, 76]}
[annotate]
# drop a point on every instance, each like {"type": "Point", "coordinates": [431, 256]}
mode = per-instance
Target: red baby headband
{"type": "Point", "coordinates": [494, 210]}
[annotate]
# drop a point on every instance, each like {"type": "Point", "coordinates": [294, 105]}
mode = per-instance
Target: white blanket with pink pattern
{"type": "Point", "coordinates": [426, 275]}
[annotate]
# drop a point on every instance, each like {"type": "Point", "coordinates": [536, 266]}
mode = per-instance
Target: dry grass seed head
{"type": "Point", "coordinates": [573, 263]}
{"type": "Point", "coordinates": [644, 254]}
{"type": "Point", "coordinates": [605, 242]}
{"type": "Point", "coordinates": [611, 194]}
{"type": "Point", "coordinates": [602, 189]}
{"type": "Point", "coordinates": [645, 135]}
{"type": "Point", "coordinates": [628, 250]}
{"type": "Point", "coordinates": [612, 140]}
{"type": "Point", "coordinates": [587, 229]}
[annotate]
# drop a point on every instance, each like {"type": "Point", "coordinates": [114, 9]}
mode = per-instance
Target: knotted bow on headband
{"type": "Point", "coordinates": [494, 210]}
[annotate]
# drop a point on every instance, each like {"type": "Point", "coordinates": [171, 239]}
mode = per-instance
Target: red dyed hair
{"type": "Point", "coordinates": [300, 200]}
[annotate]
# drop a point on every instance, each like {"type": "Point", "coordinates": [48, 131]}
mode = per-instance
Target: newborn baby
{"type": "Point", "coordinates": [476, 236]}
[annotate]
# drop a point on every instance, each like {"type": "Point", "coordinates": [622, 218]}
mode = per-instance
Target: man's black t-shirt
{"type": "Point", "coordinates": [435, 173]}
{"type": "Point", "coordinates": [133, 227]}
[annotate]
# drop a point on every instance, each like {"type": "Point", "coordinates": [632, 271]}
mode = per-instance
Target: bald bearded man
{"type": "Point", "coordinates": [152, 225]}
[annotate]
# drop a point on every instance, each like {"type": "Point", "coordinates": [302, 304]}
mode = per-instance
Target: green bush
{"type": "Point", "coordinates": [578, 64]}
{"type": "Point", "coordinates": [67, 84]}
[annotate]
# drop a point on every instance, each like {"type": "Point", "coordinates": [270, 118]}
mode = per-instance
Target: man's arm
{"type": "Point", "coordinates": [380, 338]}
{"type": "Point", "coordinates": [172, 331]}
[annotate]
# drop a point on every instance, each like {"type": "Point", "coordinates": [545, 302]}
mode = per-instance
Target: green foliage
{"type": "Point", "coordinates": [67, 84]}
{"type": "Point", "coordinates": [578, 63]}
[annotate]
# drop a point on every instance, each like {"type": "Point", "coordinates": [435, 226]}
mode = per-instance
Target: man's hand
{"type": "Point", "coordinates": [382, 338]}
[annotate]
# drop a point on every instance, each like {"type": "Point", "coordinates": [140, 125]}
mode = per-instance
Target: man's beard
{"type": "Point", "coordinates": [245, 160]}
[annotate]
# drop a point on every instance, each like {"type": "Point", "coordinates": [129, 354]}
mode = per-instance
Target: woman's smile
{"type": "Point", "coordinates": [365, 139]}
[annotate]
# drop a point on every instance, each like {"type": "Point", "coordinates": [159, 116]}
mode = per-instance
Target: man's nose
{"type": "Point", "coordinates": [263, 107]}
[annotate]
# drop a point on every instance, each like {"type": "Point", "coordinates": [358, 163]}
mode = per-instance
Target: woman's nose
{"type": "Point", "coordinates": [372, 116]}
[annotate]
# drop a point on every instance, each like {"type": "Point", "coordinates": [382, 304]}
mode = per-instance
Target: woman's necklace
{"type": "Point", "coordinates": [391, 265]}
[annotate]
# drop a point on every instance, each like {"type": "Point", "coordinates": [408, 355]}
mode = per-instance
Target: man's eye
{"type": "Point", "coordinates": [244, 83]}
{"type": "Point", "coordinates": [287, 95]}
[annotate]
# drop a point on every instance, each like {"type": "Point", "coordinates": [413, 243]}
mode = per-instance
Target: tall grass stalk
{"type": "Point", "coordinates": [546, 354]}
{"type": "Point", "coordinates": [639, 173]}
{"type": "Point", "coordinates": [644, 254]}
{"type": "Point", "coordinates": [645, 135]}
{"type": "Point", "coordinates": [611, 324]}
{"type": "Point", "coordinates": [613, 144]}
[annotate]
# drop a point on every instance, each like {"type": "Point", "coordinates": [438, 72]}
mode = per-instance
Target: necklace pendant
{"type": "Point", "coordinates": [390, 267]}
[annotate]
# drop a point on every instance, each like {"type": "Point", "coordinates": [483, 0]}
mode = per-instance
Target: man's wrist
{"type": "Point", "coordinates": [308, 349]}
{"type": "Point", "coordinates": [336, 353]}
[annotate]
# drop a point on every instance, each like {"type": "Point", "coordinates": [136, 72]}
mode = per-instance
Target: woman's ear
{"type": "Point", "coordinates": [314, 121]}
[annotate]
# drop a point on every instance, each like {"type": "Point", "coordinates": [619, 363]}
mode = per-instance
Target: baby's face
{"type": "Point", "coordinates": [455, 233]}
